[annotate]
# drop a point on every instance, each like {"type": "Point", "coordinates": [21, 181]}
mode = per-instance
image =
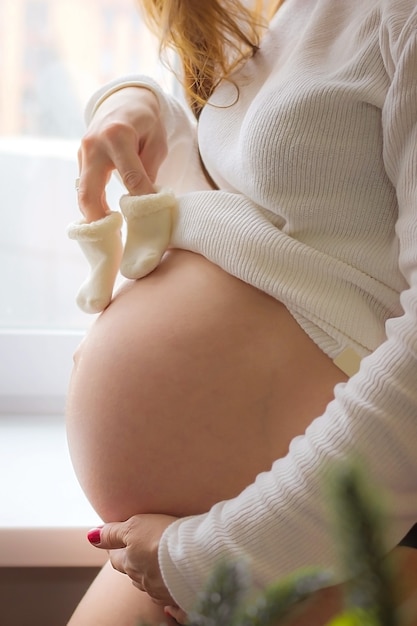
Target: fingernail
{"type": "Point", "coordinates": [93, 536]}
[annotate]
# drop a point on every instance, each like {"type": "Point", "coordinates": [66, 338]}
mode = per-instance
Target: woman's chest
{"type": "Point", "coordinates": [302, 104]}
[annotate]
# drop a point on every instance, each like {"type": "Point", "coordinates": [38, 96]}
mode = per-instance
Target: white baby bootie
{"type": "Point", "coordinates": [149, 220]}
{"type": "Point", "coordinates": [101, 243]}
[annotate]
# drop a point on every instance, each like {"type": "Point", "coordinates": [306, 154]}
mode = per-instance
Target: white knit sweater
{"type": "Point", "coordinates": [316, 163]}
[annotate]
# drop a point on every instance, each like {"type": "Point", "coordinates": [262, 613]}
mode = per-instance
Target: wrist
{"type": "Point", "coordinates": [124, 91]}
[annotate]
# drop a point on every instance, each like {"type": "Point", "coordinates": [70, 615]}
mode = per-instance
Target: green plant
{"type": "Point", "coordinates": [369, 592]}
{"type": "Point", "coordinates": [223, 602]}
{"type": "Point", "coordinates": [359, 536]}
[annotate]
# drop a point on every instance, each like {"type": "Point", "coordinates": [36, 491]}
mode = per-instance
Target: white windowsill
{"type": "Point", "coordinates": [44, 515]}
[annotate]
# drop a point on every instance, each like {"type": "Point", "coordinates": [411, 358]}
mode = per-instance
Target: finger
{"type": "Point", "coordinates": [118, 561]}
{"type": "Point", "coordinates": [175, 612]}
{"type": "Point", "coordinates": [133, 174]}
{"type": "Point", "coordinates": [108, 537]}
{"type": "Point", "coordinates": [153, 155]}
{"type": "Point", "coordinates": [139, 584]}
{"type": "Point", "coordinates": [94, 175]}
{"type": "Point", "coordinates": [123, 149]}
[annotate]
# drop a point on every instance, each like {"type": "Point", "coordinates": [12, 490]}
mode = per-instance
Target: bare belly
{"type": "Point", "coordinates": [188, 386]}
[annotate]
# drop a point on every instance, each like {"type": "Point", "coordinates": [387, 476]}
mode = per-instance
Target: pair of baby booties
{"type": "Point", "coordinates": [149, 220]}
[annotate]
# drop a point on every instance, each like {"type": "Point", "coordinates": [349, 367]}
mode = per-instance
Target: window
{"type": "Point", "coordinates": [53, 55]}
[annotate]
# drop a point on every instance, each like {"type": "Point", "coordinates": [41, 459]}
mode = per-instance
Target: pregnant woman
{"type": "Point", "coordinates": [278, 333]}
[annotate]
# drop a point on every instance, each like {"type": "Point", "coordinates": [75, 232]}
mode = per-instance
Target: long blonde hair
{"type": "Point", "coordinates": [210, 37]}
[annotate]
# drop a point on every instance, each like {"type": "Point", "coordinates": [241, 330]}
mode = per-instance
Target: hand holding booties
{"type": "Point", "coordinates": [149, 220]}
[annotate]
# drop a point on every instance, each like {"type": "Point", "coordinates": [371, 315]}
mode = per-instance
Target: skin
{"type": "Point", "coordinates": [188, 340]}
{"type": "Point", "coordinates": [187, 337]}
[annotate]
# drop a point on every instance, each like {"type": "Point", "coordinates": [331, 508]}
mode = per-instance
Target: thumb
{"type": "Point", "coordinates": [108, 537]}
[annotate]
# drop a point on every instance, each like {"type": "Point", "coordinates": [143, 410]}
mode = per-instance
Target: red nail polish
{"type": "Point", "coordinates": [93, 536]}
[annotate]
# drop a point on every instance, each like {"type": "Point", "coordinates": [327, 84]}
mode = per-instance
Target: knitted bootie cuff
{"type": "Point", "coordinates": [135, 206]}
{"type": "Point", "coordinates": [95, 231]}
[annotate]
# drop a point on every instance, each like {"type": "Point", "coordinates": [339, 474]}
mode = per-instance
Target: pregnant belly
{"type": "Point", "coordinates": [186, 387]}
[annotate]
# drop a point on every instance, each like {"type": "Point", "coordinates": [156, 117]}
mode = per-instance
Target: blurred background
{"type": "Point", "coordinates": [53, 55]}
